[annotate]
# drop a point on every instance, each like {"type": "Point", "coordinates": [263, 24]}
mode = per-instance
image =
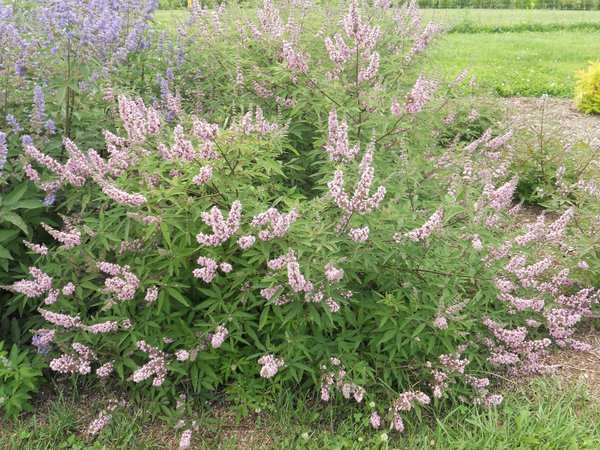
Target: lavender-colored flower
{"type": "Point", "coordinates": [39, 108]}
{"type": "Point", "coordinates": [42, 339]}
{"type": "Point", "coordinates": [13, 123]}
{"type": "Point", "coordinates": [3, 151]}
{"type": "Point", "coordinates": [49, 199]}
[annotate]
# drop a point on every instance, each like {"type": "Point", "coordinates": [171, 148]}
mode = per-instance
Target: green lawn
{"type": "Point", "coordinates": [170, 18]}
{"type": "Point", "coordinates": [511, 16]}
{"type": "Point", "coordinates": [520, 64]}
{"type": "Point", "coordinates": [541, 414]}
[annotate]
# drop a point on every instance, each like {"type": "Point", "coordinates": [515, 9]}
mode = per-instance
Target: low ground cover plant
{"type": "Point", "coordinates": [297, 207]}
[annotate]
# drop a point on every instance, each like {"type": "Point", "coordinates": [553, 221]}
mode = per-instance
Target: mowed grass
{"type": "Point", "coordinates": [511, 16]}
{"type": "Point", "coordinates": [169, 19]}
{"type": "Point", "coordinates": [519, 64]}
{"type": "Point", "coordinates": [540, 414]}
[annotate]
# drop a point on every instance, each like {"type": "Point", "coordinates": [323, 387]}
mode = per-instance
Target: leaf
{"type": "Point", "coordinates": [15, 195]}
{"type": "Point", "coordinates": [7, 235]}
{"type": "Point", "coordinates": [28, 204]}
{"type": "Point", "coordinates": [4, 253]}
{"type": "Point", "coordinates": [264, 316]}
{"type": "Point", "coordinates": [177, 296]}
{"type": "Point", "coordinates": [15, 219]}
{"type": "Point", "coordinates": [388, 335]}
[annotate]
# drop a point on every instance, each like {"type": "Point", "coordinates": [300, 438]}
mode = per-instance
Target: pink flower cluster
{"type": "Point", "coordinates": [105, 369]}
{"type": "Point", "coordinates": [69, 239]}
{"type": "Point", "coordinates": [359, 234]}
{"type": "Point", "coordinates": [203, 177]}
{"type": "Point", "coordinates": [68, 289]}
{"type": "Point", "coordinates": [511, 349]}
{"type": "Point", "coordinates": [295, 278]}
{"type": "Point", "coordinates": [270, 20]}
{"type": "Point", "coordinates": [37, 248]}
{"type": "Point", "coordinates": [502, 197]}
{"type": "Point", "coordinates": [40, 284]}
{"type": "Point", "coordinates": [151, 294]}
{"type": "Point", "coordinates": [99, 423]}
{"type": "Point", "coordinates": [295, 60]}
{"type": "Point", "coordinates": [255, 123]}
{"type": "Point", "coordinates": [79, 363]}
{"type": "Point", "coordinates": [364, 35]}
{"type": "Point", "coordinates": [370, 71]}
{"type": "Point", "coordinates": [269, 293]}
{"type": "Point", "coordinates": [404, 403]}
{"type": "Point", "coordinates": [208, 271]}
{"type": "Point", "coordinates": [139, 120]}
{"type": "Point", "coordinates": [361, 201]}
{"type": "Point", "coordinates": [182, 149]}
{"type": "Point", "coordinates": [222, 229]}
{"type": "Point", "coordinates": [570, 309]}
{"type": "Point", "coordinates": [122, 197]}
{"type": "Point", "coordinates": [434, 222]}
{"type": "Point", "coordinates": [270, 365]}
{"type": "Point", "coordinates": [424, 40]}
{"type": "Point", "coordinates": [62, 320]}
{"type": "Point", "coordinates": [278, 223]}
{"type": "Point", "coordinates": [123, 283]}
{"type": "Point", "coordinates": [204, 130]}
{"type": "Point", "coordinates": [186, 440]}
{"type": "Point", "coordinates": [155, 367]}
{"type": "Point", "coordinates": [104, 418]}
{"type": "Point", "coordinates": [450, 312]}
{"type": "Point", "coordinates": [421, 93]}
{"type": "Point", "coordinates": [334, 376]}
{"type": "Point", "coordinates": [247, 241]}
{"type": "Point", "coordinates": [337, 144]}
{"type": "Point", "coordinates": [103, 327]}
{"type": "Point", "coordinates": [218, 338]}
{"type": "Point", "coordinates": [375, 420]}
{"type": "Point", "coordinates": [339, 53]}
{"type": "Point", "coordinates": [363, 39]}
{"type": "Point", "coordinates": [332, 305]}
{"type": "Point", "coordinates": [332, 274]}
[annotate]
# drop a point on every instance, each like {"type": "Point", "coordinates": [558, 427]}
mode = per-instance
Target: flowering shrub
{"type": "Point", "coordinates": [196, 253]}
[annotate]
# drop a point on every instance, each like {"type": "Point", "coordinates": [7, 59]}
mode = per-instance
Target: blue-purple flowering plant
{"type": "Point", "coordinates": [68, 49]}
{"type": "Point", "coordinates": [56, 60]}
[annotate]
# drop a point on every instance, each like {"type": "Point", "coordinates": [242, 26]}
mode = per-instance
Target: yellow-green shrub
{"type": "Point", "coordinates": [587, 89]}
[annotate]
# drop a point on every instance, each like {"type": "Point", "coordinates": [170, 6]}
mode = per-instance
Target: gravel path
{"type": "Point", "coordinates": [560, 116]}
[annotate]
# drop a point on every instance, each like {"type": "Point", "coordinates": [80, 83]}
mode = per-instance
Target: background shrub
{"type": "Point", "coordinates": [587, 89]}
